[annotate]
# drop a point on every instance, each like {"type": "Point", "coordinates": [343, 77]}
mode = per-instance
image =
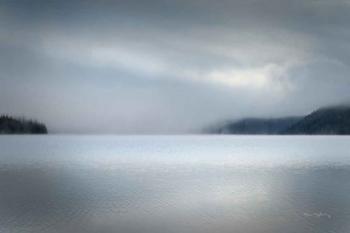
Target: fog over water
{"type": "Point", "coordinates": [170, 66]}
{"type": "Point", "coordinates": [174, 184]}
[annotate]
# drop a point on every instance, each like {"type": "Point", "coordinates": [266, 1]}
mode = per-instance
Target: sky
{"type": "Point", "coordinates": [170, 66]}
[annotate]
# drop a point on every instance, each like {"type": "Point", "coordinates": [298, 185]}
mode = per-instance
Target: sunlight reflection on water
{"type": "Point", "coordinates": [174, 184]}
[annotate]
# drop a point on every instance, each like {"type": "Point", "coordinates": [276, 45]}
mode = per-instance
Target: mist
{"type": "Point", "coordinates": [126, 67]}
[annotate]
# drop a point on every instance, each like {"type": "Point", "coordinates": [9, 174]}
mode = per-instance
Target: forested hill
{"type": "Point", "coordinates": [11, 125]}
{"type": "Point", "coordinates": [255, 126]}
{"type": "Point", "coordinates": [329, 120]}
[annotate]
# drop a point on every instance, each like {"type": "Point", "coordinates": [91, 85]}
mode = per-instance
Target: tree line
{"type": "Point", "coordinates": [12, 125]}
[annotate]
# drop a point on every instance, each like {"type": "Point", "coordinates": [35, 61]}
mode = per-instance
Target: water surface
{"type": "Point", "coordinates": [166, 184]}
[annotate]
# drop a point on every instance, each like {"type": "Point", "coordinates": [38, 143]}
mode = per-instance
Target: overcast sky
{"type": "Point", "coordinates": [170, 66]}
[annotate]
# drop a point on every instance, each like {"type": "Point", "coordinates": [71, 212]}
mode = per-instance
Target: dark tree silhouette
{"type": "Point", "coordinates": [11, 125]}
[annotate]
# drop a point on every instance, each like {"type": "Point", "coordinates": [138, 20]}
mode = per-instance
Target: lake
{"type": "Point", "coordinates": [175, 184]}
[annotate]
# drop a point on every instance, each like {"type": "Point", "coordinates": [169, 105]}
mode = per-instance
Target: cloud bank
{"type": "Point", "coordinates": [170, 66]}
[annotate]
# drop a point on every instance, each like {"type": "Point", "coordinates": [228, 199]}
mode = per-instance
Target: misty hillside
{"type": "Point", "coordinates": [256, 126]}
{"type": "Point", "coordinates": [330, 120]}
{"type": "Point", "coordinates": [10, 125]}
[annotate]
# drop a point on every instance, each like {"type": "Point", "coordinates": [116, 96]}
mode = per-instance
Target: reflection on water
{"type": "Point", "coordinates": [187, 184]}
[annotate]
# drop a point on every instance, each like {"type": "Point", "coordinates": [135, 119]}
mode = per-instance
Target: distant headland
{"type": "Point", "coordinates": [334, 120]}
{"type": "Point", "coordinates": [12, 125]}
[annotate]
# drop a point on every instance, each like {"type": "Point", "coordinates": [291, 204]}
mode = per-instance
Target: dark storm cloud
{"type": "Point", "coordinates": [170, 66]}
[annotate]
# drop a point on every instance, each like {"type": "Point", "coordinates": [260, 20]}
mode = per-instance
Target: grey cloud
{"type": "Point", "coordinates": [170, 66]}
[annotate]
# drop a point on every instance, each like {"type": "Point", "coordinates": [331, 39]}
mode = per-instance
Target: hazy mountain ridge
{"type": "Point", "coordinates": [256, 126]}
{"type": "Point", "coordinates": [330, 120]}
{"type": "Point", "coordinates": [324, 121]}
{"type": "Point", "coordinates": [11, 125]}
